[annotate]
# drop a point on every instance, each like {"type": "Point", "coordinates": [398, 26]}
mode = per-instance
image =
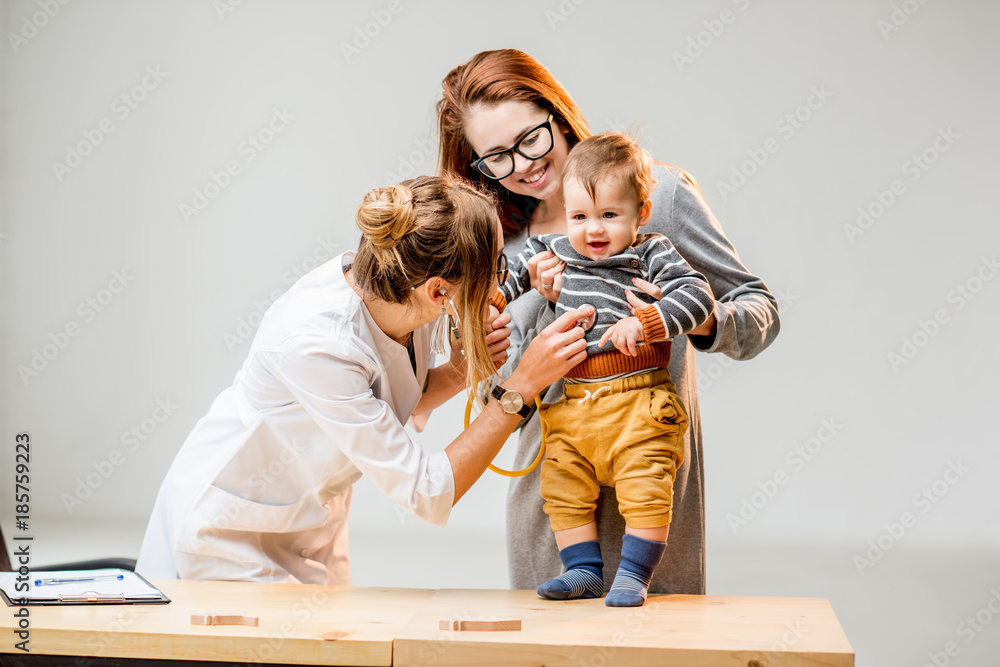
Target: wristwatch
{"type": "Point", "coordinates": [511, 402]}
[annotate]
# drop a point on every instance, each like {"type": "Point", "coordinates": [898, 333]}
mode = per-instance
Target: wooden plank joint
{"type": "Point", "coordinates": [224, 619]}
{"type": "Point", "coordinates": [480, 624]}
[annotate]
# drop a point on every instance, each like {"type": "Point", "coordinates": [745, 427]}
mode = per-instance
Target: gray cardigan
{"type": "Point", "coordinates": [747, 320]}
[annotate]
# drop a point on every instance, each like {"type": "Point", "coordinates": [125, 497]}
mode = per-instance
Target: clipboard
{"type": "Point", "coordinates": [109, 586]}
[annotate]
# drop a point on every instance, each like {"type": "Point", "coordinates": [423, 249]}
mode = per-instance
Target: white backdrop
{"type": "Point", "coordinates": [170, 168]}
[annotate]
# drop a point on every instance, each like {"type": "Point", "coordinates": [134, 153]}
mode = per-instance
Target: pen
{"type": "Point", "coordinates": [70, 580]}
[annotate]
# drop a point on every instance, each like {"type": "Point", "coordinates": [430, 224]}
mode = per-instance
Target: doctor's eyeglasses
{"type": "Point", "coordinates": [502, 271]}
{"type": "Point", "coordinates": [536, 143]}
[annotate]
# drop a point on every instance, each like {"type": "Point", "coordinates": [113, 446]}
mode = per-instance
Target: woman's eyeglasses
{"type": "Point", "coordinates": [533, 145]}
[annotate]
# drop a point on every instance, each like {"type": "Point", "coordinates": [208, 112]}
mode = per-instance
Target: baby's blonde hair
{"type": "Point", "coordinates": [613, 155]}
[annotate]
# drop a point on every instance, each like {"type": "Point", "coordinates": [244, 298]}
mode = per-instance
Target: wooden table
{"type": "Point", "coordinates": [293, 620]}
{"type": "Point", "coordinates": [387, 626]}
{"type": "Point", "coordinates": [682, 630]}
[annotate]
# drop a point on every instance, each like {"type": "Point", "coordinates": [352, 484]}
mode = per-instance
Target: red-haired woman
{"type": "Point", "coordinates": [505, 122]}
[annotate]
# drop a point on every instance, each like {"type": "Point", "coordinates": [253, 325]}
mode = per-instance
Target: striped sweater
{"type": "Point", "coordinates": [686, 302]}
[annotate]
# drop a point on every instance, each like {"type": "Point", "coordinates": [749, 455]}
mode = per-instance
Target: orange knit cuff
{"type": "Point", "coordinates": [652, 324]}
{"type": "Point", "coordinates": [498, 300]}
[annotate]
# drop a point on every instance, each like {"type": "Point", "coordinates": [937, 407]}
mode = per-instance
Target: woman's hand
{"type": "Point", "coordinates": [498, 341]}
{"type": "Point", "coordinates": [448, 379]}
{"type": "Point", "coordinates": [556, 349]}
{"type": "Point", "coordinates": [545, 270]}
{"type": "Point", "coordinates": [706, 328]}
{"type": "Point", "coordinates": [647, 287]}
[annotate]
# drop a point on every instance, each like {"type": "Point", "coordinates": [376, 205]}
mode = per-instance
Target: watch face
{"type": "Point", "coordinates": [511, 402]}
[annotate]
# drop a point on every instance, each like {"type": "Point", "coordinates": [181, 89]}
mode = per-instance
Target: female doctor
{"type": "Point", "coordinates": [261, 488]}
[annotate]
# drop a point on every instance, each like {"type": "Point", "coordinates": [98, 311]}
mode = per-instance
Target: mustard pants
{"type": "Point", "coordinates": [627, 433]}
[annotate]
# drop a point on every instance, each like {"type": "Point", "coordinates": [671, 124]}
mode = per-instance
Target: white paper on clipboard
{"type": "Point", "coordinates": [109, 585]}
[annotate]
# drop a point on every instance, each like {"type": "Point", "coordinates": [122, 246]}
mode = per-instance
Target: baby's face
{"type": "Point", "coordinates": [604, 226]}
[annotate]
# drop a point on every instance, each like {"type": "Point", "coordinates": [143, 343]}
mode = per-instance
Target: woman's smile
{"type": "Point", "coordinates": [537, 177]}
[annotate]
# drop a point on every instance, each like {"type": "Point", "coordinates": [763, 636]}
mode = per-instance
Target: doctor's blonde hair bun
{"type": "Point", "coordinates": [386, 215]}
{"type": "Point", "coordinates": [426, 227]}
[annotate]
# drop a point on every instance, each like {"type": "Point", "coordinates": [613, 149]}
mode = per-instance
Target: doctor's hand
{"type": "Point", "coordinates": [545, 271]}
{"type": "Point", "coordinates": [556, 349]}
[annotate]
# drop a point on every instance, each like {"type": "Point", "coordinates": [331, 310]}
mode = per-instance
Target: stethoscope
{"type": "Point", "coordinates": [541, 449]}
{"type": "Point", "coordinates": [441, 345]}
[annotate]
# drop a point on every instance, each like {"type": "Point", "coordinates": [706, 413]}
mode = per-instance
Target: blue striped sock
{"type": "Point", "coordinates": [583, 577]}
{"type": "Point", "coordinates": [639, 558]}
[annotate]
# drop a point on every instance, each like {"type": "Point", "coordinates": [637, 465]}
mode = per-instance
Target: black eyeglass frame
{"type": "Point", "coordinates": [516, 148]}
{"type": "Point", "coordinates": [503, 272]}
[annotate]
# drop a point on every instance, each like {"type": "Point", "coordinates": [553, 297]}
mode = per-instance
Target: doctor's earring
{"type": "Point", "coordinates": [439, 335]}
{"type": "Point", "coordinates": [454, 328]}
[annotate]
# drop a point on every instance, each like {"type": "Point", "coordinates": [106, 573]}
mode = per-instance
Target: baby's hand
{"type": "Point", "coordinates": [624, 333]}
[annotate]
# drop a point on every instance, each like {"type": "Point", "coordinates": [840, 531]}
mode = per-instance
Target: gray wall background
{"type": "Point", "coordinates": [899, 82]}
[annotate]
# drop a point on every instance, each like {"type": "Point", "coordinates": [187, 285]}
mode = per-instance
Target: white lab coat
{"type": "Point", "coordinates": [261, 488]}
